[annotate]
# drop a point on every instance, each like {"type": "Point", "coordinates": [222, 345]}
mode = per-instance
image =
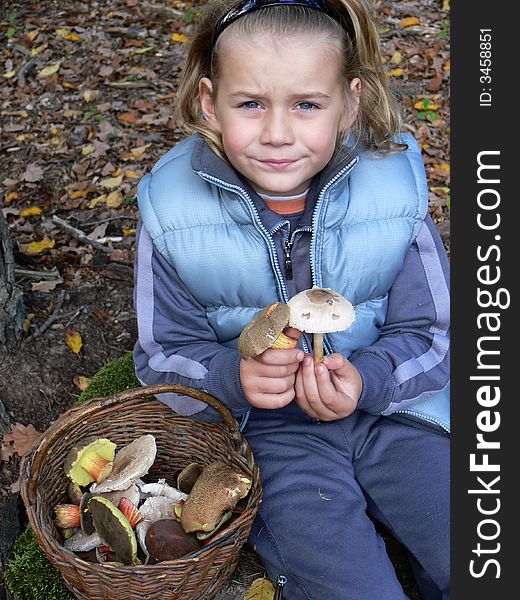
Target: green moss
{"type": "Point", "coordinates": [28, 574]}
{"type": "Point", "coordinates": [115, 377]}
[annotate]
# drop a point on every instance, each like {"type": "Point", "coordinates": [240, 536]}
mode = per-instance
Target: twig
{"type": "Point", "coordinates": [164, 11]}
{"type": "Point", "coordinates": [80, 235]}
{"type": "Point", "coordinates": [52, 318]}
{"type": "Point", "coordinates": [52, 275]}
{"type": "Point", "coordinates": [25, 71]}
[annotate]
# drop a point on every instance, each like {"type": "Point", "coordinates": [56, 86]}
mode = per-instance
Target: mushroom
{"type": "Point", "coordinates": [66, 515]}
{"type": "Point", "coordinates": [167, 540]}
{"type": "Point", "coordinates": [81, 542]}
{"type": "Point", "coordinates": [114, 529]}
{"type": "Point", "coordinates": [216, 491]}
{"type": "Point", "coordinates": [188, 476]}
{"type": "Point", "coordinates": [266, 331]}
{"type": "Point", "coordinates": [153, 509]}
{"type": "Point", "coordinates": [89, 460]}
{"type": "Point", "coordinates": [131, 462]}
{"type": "Point", "coordinates": [318, 311]}
{"type": "Point", "coordinates": [130, 511]}
{"type": "Point", "coordinates": [161, 488]}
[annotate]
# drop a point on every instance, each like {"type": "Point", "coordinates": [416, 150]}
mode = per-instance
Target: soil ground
{"type": "Point", "coordinates": [127, 54]}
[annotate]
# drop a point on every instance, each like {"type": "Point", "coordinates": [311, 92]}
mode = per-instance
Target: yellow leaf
{"type": "Point", "coordinates": [37, 247]}
{"type": "Point", "coordinates": [90, 95]}
{"type": "Point", "coordinates": [137, 152]}
{"type": "Point", "coordinates": [62, 32]}
{"type": "Point", "coordinates": [32, 35]}
{"type": "Point", "coordinates": [9, 74]}
{"type": "Point", "coordinates": [81, 382]}
{"type": "Point", "coordinates": [114, 199]}
{"type": "Point", "coordinates": [396, 58]}
{"type": "Point", "coordinates": [11, 196]}
{"type": "Point", "coordinates": [112, 182]}
{"type": "Point", "coordinates": [179, 37]}
{"type": "Point", "coordinates": [408, 22]}
{"type": "Point", "coordinates": [132, 174]}
{"type": "Point", "coordinates": [446, 5]}
{"type": "Point", "coordinates": [79, 193]}
{"type": "Point", "coordinates": [31, 211]}
{"type": "Point", "coordinates": [49, 70]}
{"type": "Point", "coordinates": [72, 37]}
{"type": "Point", "coordinates": [73, 340]}
{"type": "Point", "coordinates": [86, 150]}
{"type": "Point", "coordinates": [127, 232]}
{"type": "Point", "coordinates": [27, 323]}
{"type": "Point", "coordinates": [446, 66]}
{"type": "Point", "coordinates": [38, 49]}
{"type": "Point", "coordinates": [98, 200]}
{"type": "Point", "coordinates": [422, 106]}
{"type": "Point", "coordinates": [260, 589]}
{"type": "Point", "coordinates": [395, 73]}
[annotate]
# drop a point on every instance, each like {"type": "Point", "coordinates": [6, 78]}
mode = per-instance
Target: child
{"type": "Point", "coordinates": [297, 175]}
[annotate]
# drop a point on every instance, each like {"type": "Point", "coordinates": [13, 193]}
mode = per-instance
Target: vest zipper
{"type": "Point", "coordinates": [312, 250]}
{"type": "Point", "coordinates": [422, 418]}
{"type": "Point", "coordinates": [288, 261]}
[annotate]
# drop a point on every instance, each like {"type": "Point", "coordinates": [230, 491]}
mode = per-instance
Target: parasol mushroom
{"type": "Point", "coordinates": [318, 311]}
{"type": "Point", "coordinates": [266, 331]}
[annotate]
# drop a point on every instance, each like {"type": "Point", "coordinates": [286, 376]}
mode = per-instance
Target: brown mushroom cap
{"type": "Point", "coordinates": [131, 462]}
{"type": "Point", "coordinates": [167, 540]}
{"type": "Point", "coordinates": [320, 310]}
{"type": "Point", "coordinates": [261, 333]}
{"type": "Point", "coordinates": [217, 490]}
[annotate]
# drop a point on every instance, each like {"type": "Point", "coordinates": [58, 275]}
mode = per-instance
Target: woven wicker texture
{"type": "Point", "coordinates": [180, 441]}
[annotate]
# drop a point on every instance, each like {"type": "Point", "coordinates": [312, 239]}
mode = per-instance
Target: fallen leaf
{"type": "Point", "coordinates": [114, 199]}
{"type": "Point", "coordinates": [395, 73]}
{"type": "Point", "coordinates": [129, 117]}
{"type": "Point", "coordinates": [27, 323]}
{"type": "Point", "coordinates": [31, 211]}
{"type": "Point", "coordinates": [9, 74]}
{"type": "Point", "coordinates": [38, 247]}
{"type": "Point", "coordinates": [179, 37]}
{"type": "Point", "coordinates": [425, 104]}
{"type": "Point", "coordinates": [14, 488]}
{"type": "Point", "coordinates": [90, 95]}
{"type": "Point", "coordinates": [50, 70]}
{"type": "Point", "coordinates": [10, 197]}
{"type": "Point", "coordinates": [81, 382]}
{"type": "Point", "coordinates": [32, 173]}
{"type": "Point", "coordinates": [73, 340]}
{"type": "Point", "coordinates": [38, 49]}
{"type": "Point", "coordinates": [21, 439]}
{"type": "Point", "coordinates": [45, 285]}
{"type": "Point", "coordinates": [396, 58]}
{"type": "Point", "coordinates": [260, 589]}
{"type": "Point", "coordinates": [31, 35]}
{"type": "Point", "coordinates": [112, 182]}
{"type": "Point", "coordinates": [408, 22]}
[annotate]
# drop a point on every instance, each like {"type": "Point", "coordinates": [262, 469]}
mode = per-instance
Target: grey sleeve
{"type": "Point", "coordinates": [176, 343]}
{"type": "Point", "coordinates": [411, 356]}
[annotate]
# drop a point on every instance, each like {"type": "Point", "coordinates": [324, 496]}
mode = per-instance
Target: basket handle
{"type": "Point", "coordinates": [77, 414]}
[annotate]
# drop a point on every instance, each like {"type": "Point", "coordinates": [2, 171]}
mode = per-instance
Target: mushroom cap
{"type": "Point", "coordinates": [131, 462]}
{"type": "Point", "coordinates": [72, 465]}
{"type": "Point", "coordinates": [217, 490]}
{"type": "Point", "coordinates": [261, 333]}
{"type": "Point", "coordinates": [320, 310]}
{"type": "Point", "coordinates": [167, 540]}
{"type": "Point", "coordinates": [114, 529]}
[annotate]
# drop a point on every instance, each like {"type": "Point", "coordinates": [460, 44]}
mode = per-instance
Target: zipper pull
{"type": "Point", "coordinates": [280, 583]}
{"type": "Point", "coordinates": [288, 261]}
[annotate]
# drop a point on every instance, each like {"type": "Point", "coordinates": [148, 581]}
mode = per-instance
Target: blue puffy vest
{"type": "Point", "coordinates": [364, 222]}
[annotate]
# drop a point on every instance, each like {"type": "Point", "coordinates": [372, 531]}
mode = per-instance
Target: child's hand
{"type": "Point", "coordinates": [328, 391]}
{"type": "Point", "coordinates": [268, 380]}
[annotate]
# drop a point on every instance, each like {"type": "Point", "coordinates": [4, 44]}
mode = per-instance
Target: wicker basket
{"type": "Point", "coordinates": [180, 441]}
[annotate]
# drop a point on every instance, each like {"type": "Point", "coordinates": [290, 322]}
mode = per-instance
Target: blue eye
{"type": "Point", "coordinates": [306, 106]}
{"type": "Point", "coordinates": [250, 105]}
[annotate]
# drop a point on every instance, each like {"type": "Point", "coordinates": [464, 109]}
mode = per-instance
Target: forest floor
{"type": "Point", "coordinates": [86, 108]}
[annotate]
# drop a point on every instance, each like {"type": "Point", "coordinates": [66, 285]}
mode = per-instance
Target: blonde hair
{"type": "Point", "coordinates": [378, 119]}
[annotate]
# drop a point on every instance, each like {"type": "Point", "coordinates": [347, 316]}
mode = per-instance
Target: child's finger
{"type": "Point", "coordinates": [311, 387]}
{"type": "Point", "coordinates": [275, 356]}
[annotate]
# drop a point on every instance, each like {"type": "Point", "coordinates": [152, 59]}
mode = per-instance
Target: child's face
{"type": "Point", "coordinates": [279, 107]}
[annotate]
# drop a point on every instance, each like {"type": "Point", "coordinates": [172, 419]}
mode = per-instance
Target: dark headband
{"type": "Point", "coordinates": [247, 6]}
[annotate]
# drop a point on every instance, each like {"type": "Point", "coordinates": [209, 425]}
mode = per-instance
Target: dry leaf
{"type": "Point", "coordinates": [41, 246]}
{"type": "Point", "coordinates": [179, 37]}
{"type": "Point", "coordinates": [31, 211]}
{"type": "Point", "coordinates": [38, 49]}
{"type": "Point", "coordinates": [408, 22]}
{"type": "Point", "coordinates": [395, 73]}
{"type": "Point", "coordinates": [27, 323]}
{"type": "Point", "coordinates": [20, 440]}
{"type": "Point", "coordinates": [73, 340]}
{"type": "Point", "coordinates": [50, 70]}
{"type": "Point", "coordinates": [260, 589]}
{"type": "Point", "coordinates": [45, 285]}
{"type": "Point", "coordinates": [112, 182]}
{"type": "Point", "coordinates": [90, 95]}
{"type": "Point", "coordinates": [114, 199]}
{"type": "Point", "coordinates": [32, 173]}
{"type": "Point", "coordinates": [81, 382]}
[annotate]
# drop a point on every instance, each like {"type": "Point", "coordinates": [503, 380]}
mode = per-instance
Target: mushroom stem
{"type": "Point", "coordinates": [318, 347]}
{"type": "Point", "coordinates": [97, 466]}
